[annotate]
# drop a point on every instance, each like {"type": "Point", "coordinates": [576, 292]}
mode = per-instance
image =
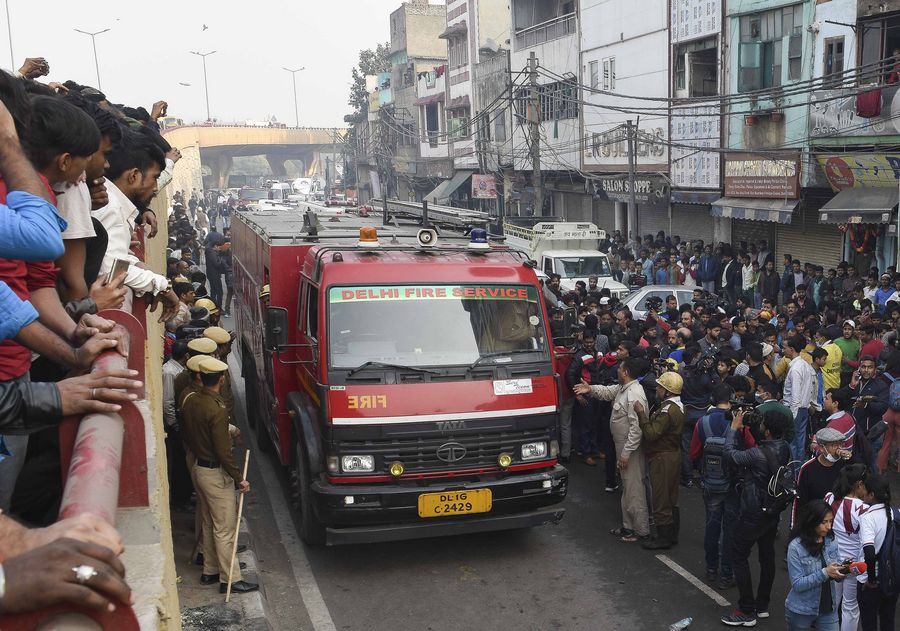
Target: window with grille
{"type": "Point", "coordinates": [833, 66]}
{"type": "Point", "coordinates": [609, 74]}
{"type": "Point", "coordinates": [762, 47]}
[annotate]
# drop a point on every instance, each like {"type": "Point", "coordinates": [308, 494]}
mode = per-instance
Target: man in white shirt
{"type": "Point", "coordinates": [179, 477]}
{"type": "Point", "coordinates": [134, 166]}
{"type": "Point", "coordinates": [800, 386]}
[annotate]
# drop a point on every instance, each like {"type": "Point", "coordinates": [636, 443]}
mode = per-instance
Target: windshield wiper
{"type": "Point", "coordinates": [501, 354]}
{"type": "Point", "coordinates": [378, 364]}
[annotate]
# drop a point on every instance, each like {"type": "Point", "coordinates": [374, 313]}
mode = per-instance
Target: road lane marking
{"type": "Point", "coordinates": [693, 580]}
{"type": "Point", "coordinates": [315, 605]}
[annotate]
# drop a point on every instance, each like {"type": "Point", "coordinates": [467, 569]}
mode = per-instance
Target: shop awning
{"type": "Point", "coordinates": [702, 198]}
{"type": "Point", "coordinates": [445, 189]}
{"type": "Point", "coordinates": [861, 205]}
{"type": "Point", "coordinates": [775, 210]}
{"type": "Point", "coordinates": [459, 102]}
{"type": "Point", "coordinates": [431, 99]}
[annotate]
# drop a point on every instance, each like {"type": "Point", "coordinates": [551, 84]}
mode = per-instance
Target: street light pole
{"type": "Point", "coordinates": [294, 72]}
{"type": "Point", "coordinates": [93, 37]}
{"type": "Point", "coordinates": [12, 57]}
{"type": "Point", "coordinates": [205, 83]}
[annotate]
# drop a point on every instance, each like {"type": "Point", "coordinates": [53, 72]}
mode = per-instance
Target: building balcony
{"type": "Point", "coordinates": [556, 28]}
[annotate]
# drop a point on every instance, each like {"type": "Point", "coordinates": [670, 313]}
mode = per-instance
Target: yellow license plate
{"type": "Point", "coordinates": [454, 503]}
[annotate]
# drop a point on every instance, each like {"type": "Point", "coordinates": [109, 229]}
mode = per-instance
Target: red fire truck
{"type": "Point", "coordinates": [405, 378]}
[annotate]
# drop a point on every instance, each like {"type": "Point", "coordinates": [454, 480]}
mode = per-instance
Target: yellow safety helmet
{"type": "Point", "coordinates": [264, 293]}
{"type": "Point", "coordinates": [671, 381]}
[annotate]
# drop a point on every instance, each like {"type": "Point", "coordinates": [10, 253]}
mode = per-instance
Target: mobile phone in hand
{"type": "Point", "coordinates": [119, 266]}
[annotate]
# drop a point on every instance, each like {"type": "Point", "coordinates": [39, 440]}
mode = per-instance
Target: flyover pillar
{"type": "Point", "coordinates": [276, 164]}
{"type": "Point", "coordinates": [221, 169]}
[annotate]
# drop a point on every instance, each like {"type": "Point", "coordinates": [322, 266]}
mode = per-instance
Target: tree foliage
{"type": "Point", "coordinates": [371, 62]}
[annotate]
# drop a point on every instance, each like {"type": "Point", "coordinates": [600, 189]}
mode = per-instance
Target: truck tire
{"type": "Point", "coordinates": [255, 420]}
{"type": "Point", "coordinates": [312, 531]}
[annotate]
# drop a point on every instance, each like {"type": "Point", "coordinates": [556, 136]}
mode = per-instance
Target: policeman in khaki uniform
{"type": "Point", "coordinates": [661, 433]}
{"type": "Point", "coordinates": [223, 340]}
{"type": "Point", "coordinates": [198, 347]}
{"type": "Point", "coordinates": [205, 417]}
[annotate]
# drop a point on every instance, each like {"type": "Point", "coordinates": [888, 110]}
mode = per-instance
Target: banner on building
{"type": "Point", "coordinates": [695, 127]}
{"type": "Point", "coordinates": [648, 190]}
{"type": "Point", "coordinates": [693, 19]}
{"type": "Point", "coordinates": [869, 170]}
{"type": "Point", "coordinates": [484, 186]}
{"type": "Point", "coordinates": [762, 175]}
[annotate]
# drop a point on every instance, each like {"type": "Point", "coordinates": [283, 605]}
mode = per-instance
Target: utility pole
{"type": "Point", "coordinates": [631, 131]}
{"type": "Point", "coordinates": [205, 83]}
{"type": "Point", "coordinates": [294, 72]}
{"type": "Point", "coordinates": [534, 121]}
{"type": "Point", "coordinates": [93, 37]}
{"type": "Point", "coordinates": [12, 56]}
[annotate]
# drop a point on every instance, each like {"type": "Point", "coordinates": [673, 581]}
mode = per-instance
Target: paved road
{"type": "Point", "coordinates": [572, 576]}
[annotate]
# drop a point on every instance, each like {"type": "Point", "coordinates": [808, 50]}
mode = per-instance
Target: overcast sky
{"type": "Point", "coordinates": [145, 55]}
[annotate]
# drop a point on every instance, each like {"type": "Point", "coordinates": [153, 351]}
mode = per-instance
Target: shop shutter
{"type": "Point", "coordinates": [604, 215]}
{"type": "Point", "coordinates": [652, 219]}
{"type": "Point", "coordinates": [692, 222]}
{"type": "Point", "coordinates": [808, 240]}
{"type": "Point", "coordinates": [753, 231]}
{"type": "Point", "coordinates": [577, 207]}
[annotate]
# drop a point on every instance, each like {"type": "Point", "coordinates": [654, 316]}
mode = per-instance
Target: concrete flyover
{"type": "Point", "coordinates": [216, 146]}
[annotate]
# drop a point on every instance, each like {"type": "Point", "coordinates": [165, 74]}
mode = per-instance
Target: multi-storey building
{"type": "Point", "coordinates": [773, 189]}
{"type": "Point", "coordinates": [853, 126]}
{"type": "Point", "coordinates": [624, 55]}
{"type": "Point", "coordinates": [696, 84]}
{"type": "Point", "coordinates": [549, 30]}
{"type": "Point", "coordinates": [416, 47]}
{"type": "Point", "coordinates": [476, 30]}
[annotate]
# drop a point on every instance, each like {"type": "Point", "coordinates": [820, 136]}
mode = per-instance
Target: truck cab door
{"type": "Point", "coordinates": [548, 265]}
{"type": "Point", "coordinates": [308, 325]}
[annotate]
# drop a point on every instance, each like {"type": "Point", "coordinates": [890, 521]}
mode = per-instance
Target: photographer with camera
{"type": "Point", "coordinates": [763, 491]}
{"type": "Point", "coordinates": [698, 381]}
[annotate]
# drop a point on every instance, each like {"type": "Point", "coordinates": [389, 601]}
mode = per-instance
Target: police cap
{"type": "Point", "coordinates": [217, 334]}
{"type": "Point", "coordinates": [203, 345]}
{"type": "Point", "coordinates": [211, 366]}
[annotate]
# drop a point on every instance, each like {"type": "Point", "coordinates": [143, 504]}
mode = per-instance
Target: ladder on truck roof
{"type": "Point", "coordinates": [459, 218]}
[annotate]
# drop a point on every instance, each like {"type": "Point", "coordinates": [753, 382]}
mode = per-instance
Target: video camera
{"type": "Point", "coordinates": [752, 417]}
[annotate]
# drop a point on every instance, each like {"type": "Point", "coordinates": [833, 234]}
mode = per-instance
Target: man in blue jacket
{"type": "Point", "coordinates": [709, 269]}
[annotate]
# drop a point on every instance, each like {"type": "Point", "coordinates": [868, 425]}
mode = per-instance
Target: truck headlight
{"type": "Point", "coordinates": [534, 451]}
{"type": "Point", "coordinates": [357, 464]}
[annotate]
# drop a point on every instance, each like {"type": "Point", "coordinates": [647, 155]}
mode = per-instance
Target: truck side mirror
{"type": "Point", "coordinates": [276, 328]}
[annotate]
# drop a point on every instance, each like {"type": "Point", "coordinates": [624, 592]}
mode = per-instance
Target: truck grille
{"type": "Point", "coordinates": [420, 455]}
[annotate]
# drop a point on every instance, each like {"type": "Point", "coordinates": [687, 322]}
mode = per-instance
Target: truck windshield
{"type": "Point", "coordinates": [434, 325]}
{"type": "Point", "coordinates": [582, 266]}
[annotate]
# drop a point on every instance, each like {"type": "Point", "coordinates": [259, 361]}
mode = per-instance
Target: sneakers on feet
{"type": "Point", "coordinates": [612, 489]}
{"type": "Point", "coordinates": [762, 614]}
{"type": "Point", "coordinates": [712, 576]}
{"type": "Point", "coordinates": [738, 618]}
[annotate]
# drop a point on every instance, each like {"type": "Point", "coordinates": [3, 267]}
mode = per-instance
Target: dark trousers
{"type": "Point", "coordinates": [760, 532]}
{"type": "Point", "coordinates": [874, 607]}
{"type": "Point", "coordinates": [690, 421]}
{"type": "Point", "coordinates": [663, 471]}
{"type": "Point", "coordinates": [584, 418]}
{"type": "Point", "coordinates": [607, 445]}
{"type": "Point", "coordinates": [215, 287]}
{"type": "Point", "coordinates": [180, 485]}
{"type": "Point", "coordinates": [721, 514]}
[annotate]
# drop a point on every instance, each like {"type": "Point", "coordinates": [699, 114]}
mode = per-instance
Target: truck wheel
{"type": "Point", "coordinates": [312, 531]}
{"type": "Point", "coordinates": [256, 421]}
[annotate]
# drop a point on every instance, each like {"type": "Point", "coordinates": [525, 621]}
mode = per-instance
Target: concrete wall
{"type": "Point", "coordinates": [636, 35]}
{"type": "Point", "coordinates": [493, 22]}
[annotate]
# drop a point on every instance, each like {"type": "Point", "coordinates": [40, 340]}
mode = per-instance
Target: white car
{"type": "Point", "coordinates": [636, 300]}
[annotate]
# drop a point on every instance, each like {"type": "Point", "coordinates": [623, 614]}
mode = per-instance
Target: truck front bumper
{"type": "Point", "coordinates": [389, 512]}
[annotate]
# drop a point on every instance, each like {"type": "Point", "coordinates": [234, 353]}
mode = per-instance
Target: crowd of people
{"type": "Point", "coordinates": [773, 393]}
{"type": "Point", "coordinates": [78, 173]}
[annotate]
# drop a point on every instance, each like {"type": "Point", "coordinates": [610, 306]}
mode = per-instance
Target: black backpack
{"type": "Point", "coordinates": [712, 463]}
{"type": "Point", "coordinates": [781, 488]}
{"type": "Point", "coordinates": [888, 564]}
